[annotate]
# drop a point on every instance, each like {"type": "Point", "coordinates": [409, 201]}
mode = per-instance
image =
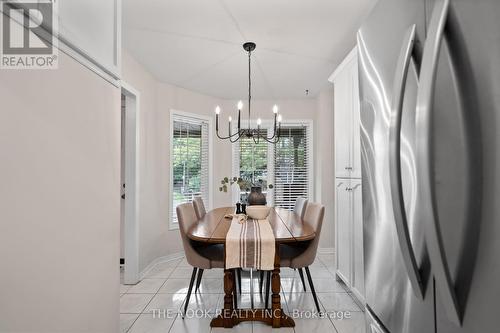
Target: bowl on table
{"type": "Point", "coordinates": [258, 212]}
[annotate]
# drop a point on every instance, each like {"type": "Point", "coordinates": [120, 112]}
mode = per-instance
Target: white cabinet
{"type": "Point", "coordinates": [343, 230]}
{"type": "Point", "coordinates": [346, 123]}
{"type": "Point", "coordinates": [92, 28]}
{"type": "Point", "coordinates": [348, 204]}
{"type": "Point", "coordinates": [349, 235]}
{"type": "Point", "coordinates": [358, 268]}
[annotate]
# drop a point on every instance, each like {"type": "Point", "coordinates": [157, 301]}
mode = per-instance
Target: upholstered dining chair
{"type": "Point", "coordinates": [302, 256]}
{"type": "Point", "coordinates": [300, 206]}
{"type": "Point", "coordinates": [201, 257]}
{"type": "Point", "coordinates": [199, 207]}
{"type": "Point", "coordinates": [299, 209]}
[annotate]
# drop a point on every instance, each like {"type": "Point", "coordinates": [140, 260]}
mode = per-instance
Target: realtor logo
{"type": "Point", "coordinates": [28, 35]}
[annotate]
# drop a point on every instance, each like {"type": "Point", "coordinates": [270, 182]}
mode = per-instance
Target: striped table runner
{"type": "Point", "coordinates": [250, 244]}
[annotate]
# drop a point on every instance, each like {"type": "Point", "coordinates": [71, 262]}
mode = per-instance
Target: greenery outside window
{"type": "Point", "coordinates": [189, 161]}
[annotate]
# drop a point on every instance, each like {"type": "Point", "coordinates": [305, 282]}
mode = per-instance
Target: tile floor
{"type": "Point", "coordinates": [165, 288]}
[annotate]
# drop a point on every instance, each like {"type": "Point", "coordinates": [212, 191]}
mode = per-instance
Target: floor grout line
{"type": "Point", "coordinates": [319, 264]}
{"type": "Point", "coordinates": [145, 307]}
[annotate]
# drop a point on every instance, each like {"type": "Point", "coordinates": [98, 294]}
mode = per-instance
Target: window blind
{"type": "Point", "coordinates": [286, 165]}
{"type": "Point", "coordinates": [291, 166]}
{"type": "Point", "coordinates": [189, 161]}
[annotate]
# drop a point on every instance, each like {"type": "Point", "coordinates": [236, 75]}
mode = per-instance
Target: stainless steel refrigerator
{"type": "Point", "coordinates": [429, 75]}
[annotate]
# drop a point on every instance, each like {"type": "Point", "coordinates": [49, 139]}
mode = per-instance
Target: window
{"type": "Point", "coordinates": [253, 159]}
{"type": "Point", "coordinates": [291, 166]}
{"type": "Point", "coordinates": [189, 165]}
{"type": "Point", "coordinates": [287, 165]}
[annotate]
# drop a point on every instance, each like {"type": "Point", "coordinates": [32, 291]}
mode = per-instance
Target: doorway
{"type": "Point", "coordinates": [129, 228]}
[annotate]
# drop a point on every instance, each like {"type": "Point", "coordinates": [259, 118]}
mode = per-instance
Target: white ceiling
{"type": "Point", "coordinates": [197, 44]}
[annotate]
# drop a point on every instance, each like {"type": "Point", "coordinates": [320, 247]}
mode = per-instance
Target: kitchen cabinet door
{"type": "Point", "coordinates": [358, 278]}
{"type": "Point", "coordinates": [355, 138]}
{"type": "Point", "coordinates": [342, 126]}
{"type": "Point", "coordinates": [343, 231]}
{"type": "Point", "coordinates": [92, 28]}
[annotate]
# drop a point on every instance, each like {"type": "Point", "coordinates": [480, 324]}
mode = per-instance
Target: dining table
{"type": "Point", "coordinates": [288, 228]}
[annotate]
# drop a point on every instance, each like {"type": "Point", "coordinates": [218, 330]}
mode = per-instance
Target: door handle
{"type": "Point", "coordinates": [355, 187]}
{"type": "Point", "coordinates": [398, 207]}
{"type": "Point", "coordinates": [424, 143]}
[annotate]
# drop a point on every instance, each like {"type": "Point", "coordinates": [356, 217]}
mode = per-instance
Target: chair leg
{"type": "Point", "coordinates": [235, 296]}
{"type": "Point", "coordinates": [251, 288]}
{"type": "Point", "coordinates": [312, 289]}
{"type": "Point", "coordinates": [261, 281]}
{"type": "Point", "coordinates": [238, 271]}
{"type": "Point", "coordinates": [301, 273]}
{"type": "Point", "coordinates": [198, 280]}
{"type": "Point", "coordinates": [268, 285]}
{"type": "Point", "coordinates": [186, 301]}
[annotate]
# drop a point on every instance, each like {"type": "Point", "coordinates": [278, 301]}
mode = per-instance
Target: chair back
{"type": "Point", "coordinates": [313, 216]}
{"type": "Point", "coordinates": [300, 206]}
{"type": "Point", "coordinates": [187, 217]}
{"type": "Point", "coordinates": [199, 207]}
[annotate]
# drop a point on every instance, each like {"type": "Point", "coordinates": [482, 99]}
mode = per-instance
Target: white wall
{"type": "Point", "coordinates": [157, 100]}
{"type": "Point", "coordinates": [325, 178]}
{"type": "Point", "coordinates": [59, 200]}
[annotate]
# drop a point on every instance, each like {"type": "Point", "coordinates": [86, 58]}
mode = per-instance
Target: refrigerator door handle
{"type": "Point", "coordinates": [400, 217]}
{"type": "Point", "coordinates": [424, 143]}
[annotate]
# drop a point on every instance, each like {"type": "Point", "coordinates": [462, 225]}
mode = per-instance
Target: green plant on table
{"type": "Point", "coordinates": [244, 185]}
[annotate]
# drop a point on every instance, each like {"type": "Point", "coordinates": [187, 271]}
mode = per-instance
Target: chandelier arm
{"type": "Point", "coordinates": [227, 137]}
{"type": "Point", "coordinates": [273, 136]}
{"type": "Point", "coordinates": [239, 136]}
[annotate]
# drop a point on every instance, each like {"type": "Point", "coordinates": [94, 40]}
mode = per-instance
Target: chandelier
{"type": "Point", "coordinates": [256, 134]}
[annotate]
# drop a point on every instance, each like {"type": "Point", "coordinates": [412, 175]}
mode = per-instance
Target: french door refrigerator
{"type": "Point", "coordinates": [429, 75]}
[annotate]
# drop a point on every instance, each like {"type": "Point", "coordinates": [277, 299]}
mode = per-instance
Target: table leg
{"type": "Point", "coordinates": [276, 288]}
{"type": "Point", "coordinates": [228, 298]}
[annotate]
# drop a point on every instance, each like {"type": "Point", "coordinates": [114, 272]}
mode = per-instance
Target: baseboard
{"type": "Point", "coordinates": [159, 260]}
{"type": "Point", "coordinates": [326, 250]}
{"type": "Point", "coordinates": [358, 298]}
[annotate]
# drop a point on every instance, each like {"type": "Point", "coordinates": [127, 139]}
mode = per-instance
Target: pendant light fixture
{"type": "Point", "coordinates": [255, 133]}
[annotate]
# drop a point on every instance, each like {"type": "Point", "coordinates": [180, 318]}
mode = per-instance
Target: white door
{"type": "Point", "coordinates": [129, 169]}
{"type": "Point", "coordinates": [343, 230]}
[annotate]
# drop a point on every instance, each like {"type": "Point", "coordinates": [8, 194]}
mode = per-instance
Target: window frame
{"type": "Point", "coordinates": [267, 124]}
{"type": "Point", "coordinates": [173, 113]}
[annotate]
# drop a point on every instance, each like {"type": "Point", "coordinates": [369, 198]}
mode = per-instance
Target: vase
{"type": "Point", "coordinates": [256, 197]}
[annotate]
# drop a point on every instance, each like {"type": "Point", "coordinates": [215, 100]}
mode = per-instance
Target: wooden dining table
{"type": "Point", "coordinates": [288, 227]}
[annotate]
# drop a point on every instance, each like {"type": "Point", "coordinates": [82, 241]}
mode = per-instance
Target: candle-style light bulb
{"type": "Point", "coordinates": [280, 118]}
{"type": "Point", "coordinates": [259, 122]}
{"type": "Point", "coordinates": [275, 109]}
{"type": "Point", "coordinates": [230, 119]}
{"type": "Point", "coordinates": [229, 125]}
{"type": "Point", "coordinates": [240, 106]}
{"type": "Point", "coordinates": [217, 111]}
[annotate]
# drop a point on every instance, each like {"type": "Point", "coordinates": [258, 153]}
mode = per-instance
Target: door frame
{"type": "Point", "coordinates": [131, 177]}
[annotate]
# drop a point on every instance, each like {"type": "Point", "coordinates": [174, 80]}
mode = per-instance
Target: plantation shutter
{"type": "Point", "coordinates": [291, 166]}
{"type": "Point", "coordinates": [189, 161]}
